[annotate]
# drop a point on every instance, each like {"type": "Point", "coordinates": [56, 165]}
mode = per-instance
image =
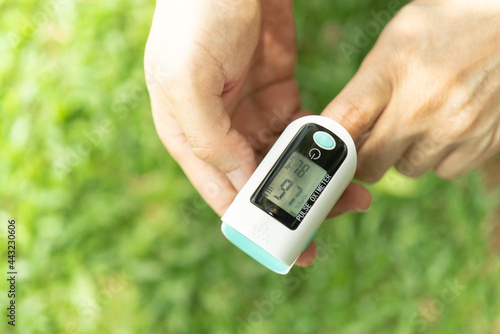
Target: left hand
{"type": "Point", "coordinates": [223, 90]}
{"type": "Point", "coordinates": [428, 95]}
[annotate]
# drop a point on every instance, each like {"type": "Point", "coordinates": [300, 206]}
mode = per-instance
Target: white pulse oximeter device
{"type": "Point", "coordinates": [276, 214]}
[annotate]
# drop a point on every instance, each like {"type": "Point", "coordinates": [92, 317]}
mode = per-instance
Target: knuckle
{"type": "Point", "coordinates": [444, 173]}
{"type": "Point", "coordinates": [210, 148]}
{"type": "Point", "coordinates": [461, 125]}
{"type": "Point", "coordinates": [406, 168]}
{"type": "Point", "coordinates": [174, 144]}
{"type": "Point", "coordinates": [170, 69]}
{"type": "Point", "coordinates": [165, 77]}
{"type": "Point", "coordinates": [415, 162]}
{"type": "Point", "coordinates": [204, 150]}
{"type": "Point", "coordinates": [405, 23]}
{"type": "Point", "coordinates": [448, 169]}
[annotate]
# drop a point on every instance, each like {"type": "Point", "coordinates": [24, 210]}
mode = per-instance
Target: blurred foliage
{"type": "Point", "coordinates": [112, 238]}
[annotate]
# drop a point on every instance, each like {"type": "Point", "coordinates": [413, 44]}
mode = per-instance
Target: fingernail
{"type": "Point", "coordinates": [358, 210]}
{"type": "Point", "coordinates": [237, 178]}
{"type": "Point", "coordinates": [365, 209]}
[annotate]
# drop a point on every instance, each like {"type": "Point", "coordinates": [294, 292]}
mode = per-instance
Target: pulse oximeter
{"type": "Point", "coordinates": [278, 211]}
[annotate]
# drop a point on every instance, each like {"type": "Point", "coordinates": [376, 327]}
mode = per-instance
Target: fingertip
{"type": "Point", "coordinates": [364, 197]}
{"type": "Point", "coordinates": [349, 114]}
{"type": "Point", "coordinates": [355, 198]}
{"type": "Point", "coordinates": [361, 102]}
{"type": "Point", "coordinates": [361, 198]}
{"type": "Point", "coordinates": [308, 255]}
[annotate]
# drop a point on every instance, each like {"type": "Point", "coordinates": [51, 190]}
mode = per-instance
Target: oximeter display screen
{"type": "Point", "coordinates": [300, 174]}
{"type": "Point", "coordinates": [294, 183]}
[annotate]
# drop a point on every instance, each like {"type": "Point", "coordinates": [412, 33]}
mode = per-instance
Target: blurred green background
{"type": "Point", "coordinates": [112, 238]}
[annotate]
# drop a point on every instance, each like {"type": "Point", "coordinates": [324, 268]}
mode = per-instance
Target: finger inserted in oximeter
{"type": "Point", "coordinates": [275, 215]}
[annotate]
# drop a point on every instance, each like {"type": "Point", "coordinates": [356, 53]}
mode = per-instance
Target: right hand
{"type": "Point", "coordinates": [220, 77]}
{"type": "Point", "coordinates": [428, 95]}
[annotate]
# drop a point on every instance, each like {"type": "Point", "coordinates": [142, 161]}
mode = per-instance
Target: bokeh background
{"type": "Point", "coordinates": [112, 238]}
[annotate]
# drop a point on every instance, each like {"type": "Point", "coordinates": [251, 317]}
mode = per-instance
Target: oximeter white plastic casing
{"type": "Point", "coordinates": [276, 214]}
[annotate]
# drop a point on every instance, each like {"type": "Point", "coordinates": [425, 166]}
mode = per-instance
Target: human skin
{"type": "Point", "coordinates": [220, 77]}
{"type": "Point", "coordinates": [428, 95]}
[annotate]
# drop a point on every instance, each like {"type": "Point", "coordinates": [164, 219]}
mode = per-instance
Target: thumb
{"type": "Point", "coordinates": [361, 102]}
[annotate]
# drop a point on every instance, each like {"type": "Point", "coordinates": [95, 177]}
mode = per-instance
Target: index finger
{"type": "Point", "coordinates": [361, 102]}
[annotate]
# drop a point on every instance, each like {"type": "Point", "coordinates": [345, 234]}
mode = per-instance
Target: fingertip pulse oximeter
{"type": "Point", "coordinates": [277, 213]}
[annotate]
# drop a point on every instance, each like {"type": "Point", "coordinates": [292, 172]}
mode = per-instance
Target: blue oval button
{"type": "Point", "coordinates": [324, 140]}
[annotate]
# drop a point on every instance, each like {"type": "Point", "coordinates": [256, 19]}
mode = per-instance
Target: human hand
{"type": "Point", "coordinates": [220, 77]}
{"type": "Point", "coordinates": [428, 94]}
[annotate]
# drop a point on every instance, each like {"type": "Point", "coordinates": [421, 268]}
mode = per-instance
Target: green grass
{"type": "Point", "coordinates": [112, 238]}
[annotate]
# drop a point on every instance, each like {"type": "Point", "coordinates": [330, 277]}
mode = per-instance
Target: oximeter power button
{"type": "Point", "coordinates": [324, 140]}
